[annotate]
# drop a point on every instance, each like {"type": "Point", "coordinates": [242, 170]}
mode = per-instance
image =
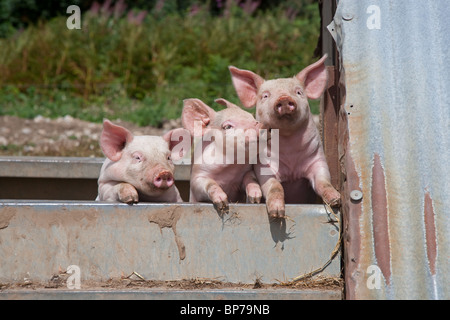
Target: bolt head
{"type": "Point", "coordinates": [356, 195]}
{"type": "Point", "coordinates": [347, 16]}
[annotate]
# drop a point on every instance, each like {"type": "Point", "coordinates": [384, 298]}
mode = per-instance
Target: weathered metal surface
{"type": "Point", "coordinates": [162, 241]}
{"type": "Point", "coordinates": [395, 147]}
{"type": "Point", "coordinates": [168, 294]}
{"type": "Point", "coordinates": [62, 178]}
{"type": "Point", "coordinates": [50, 167]}
{"type": "Point", "coordinates": [330, 114]}
{"type": "Point", "coordinates": [63, 167]}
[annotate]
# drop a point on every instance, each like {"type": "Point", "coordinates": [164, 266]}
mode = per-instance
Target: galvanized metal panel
{"type": "Point", "coordinates": [63, 167]}
{"type": "Point", "coordinates": [395, 146]}
{"type": "Point", "coordinates": [168, 294]}
{"type": "Point", "coordinates": [62, 178]}
{"type": "Point", "coordinates": [162, 241]}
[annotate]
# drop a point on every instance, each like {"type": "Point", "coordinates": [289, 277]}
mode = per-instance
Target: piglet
{"type": "Point", "coordinates": [225, 149]}
{"type": "Point", "coordinates": [137, 168]}
{"type": "Point", "coordinates": [283, 104]}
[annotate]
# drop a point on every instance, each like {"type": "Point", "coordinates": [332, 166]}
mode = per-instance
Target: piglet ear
{"type": "Point", "coordinates": [226, 103]}
{"type": "Point", "coordinates": [246, 84]}
{"type": "Point", "coordinates": [196, 114]}
{"type": "Point", "coordinates": [179, 141]}
{"type": "Point", "coordinates": [113, 140]}
{"type": "Point", "coordinates": [314, 78]}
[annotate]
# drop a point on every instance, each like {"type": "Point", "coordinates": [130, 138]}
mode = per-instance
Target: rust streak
{"type": "Point", "coordinates": [380, 219]}
{"type": "Point", "coordinates": [351, 233]}
{"type": "Point", "coordinates": [430, 232]}
{"type": "Point", "coordinates": [351, 211]}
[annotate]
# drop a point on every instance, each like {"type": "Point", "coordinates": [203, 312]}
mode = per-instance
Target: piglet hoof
{"type": "Point", "coordinates": [219, 199]}
{"type": "Point", "coordinates": [254, 198]}
{"type": "Point", "coordinates": [254, 193]}
{"type": "Point", "coordinates": [332, 198]}
{"type": "Point", "coordinates": [335, 202]}
{"type": "Point", "coordinates": [222, 207]}
{"type": "Point", "coordinates": [128, 194]}
{"type": "Point", "coordinates": [276, 209]}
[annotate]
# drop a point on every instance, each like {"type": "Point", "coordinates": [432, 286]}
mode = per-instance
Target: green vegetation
{"type": "Point", "coordinates": [140, 70]}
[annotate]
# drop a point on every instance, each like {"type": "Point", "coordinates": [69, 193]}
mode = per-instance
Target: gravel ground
{"type": "Point", "coordinates": [63, 136]}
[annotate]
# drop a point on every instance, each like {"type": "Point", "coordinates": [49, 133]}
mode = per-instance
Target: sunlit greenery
{"type": "Point", "coordinates": [141, 70]}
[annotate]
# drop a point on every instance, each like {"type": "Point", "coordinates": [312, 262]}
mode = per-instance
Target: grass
{"type": "Point", "coordinates": [140, 72]}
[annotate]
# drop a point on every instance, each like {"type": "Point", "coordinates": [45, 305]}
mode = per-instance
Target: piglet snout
{"type": "Point", "coordinates": [164, 180]}
{"type": "Point", "coordinates": [285, 105]}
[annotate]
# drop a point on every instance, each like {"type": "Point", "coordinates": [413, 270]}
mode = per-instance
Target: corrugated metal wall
{"type": "Point", "coordinates": [394, 147]}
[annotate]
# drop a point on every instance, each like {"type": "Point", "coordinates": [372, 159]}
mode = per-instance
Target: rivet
{"type": "Point", "coordinates": [347, 16]}
{"type": "Point", "coordinates": [356, 195]}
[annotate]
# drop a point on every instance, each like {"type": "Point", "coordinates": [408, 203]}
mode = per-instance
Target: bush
{"type": "Point", "coordinates": [141, 69]}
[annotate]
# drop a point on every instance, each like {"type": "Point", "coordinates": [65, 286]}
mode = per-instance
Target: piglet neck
{"type": "Point", "coordinates": [302, 136]}
{"type": "Point", "coordinates": [302, 127]}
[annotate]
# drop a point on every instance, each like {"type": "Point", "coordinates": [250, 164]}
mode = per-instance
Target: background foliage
{"type": "Point", "coordinates": [137, 61]}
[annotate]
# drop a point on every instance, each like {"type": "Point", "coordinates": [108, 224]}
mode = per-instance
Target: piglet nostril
{"type": "Point", "coordinates": [285, 106]}
{"type": "Point", "coordinates": [279, 108]}
{"type": "Point", "coordinates": [164, 180]}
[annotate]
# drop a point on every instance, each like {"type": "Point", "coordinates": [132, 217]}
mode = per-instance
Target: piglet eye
{"type": "Point", "coordinates": [227, 126]}
{"type": "Point", "coordinates": [299, 92]}
{"type": "Point", "coordinates": [137, 157]}
{"type": "Point", "coordinates": [265, 95]}
{"type": "Point", "coordinates": [169, 158]}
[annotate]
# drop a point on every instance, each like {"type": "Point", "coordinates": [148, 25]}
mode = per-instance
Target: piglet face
{"type": "Point", "coordinates": [148, 164]}
{"type": "Point", "coordinates": [237, 125]}
{"type": "Point", "coordinates": [232, 128]}
{"type": "Point", "coordinates": [142, 161]}
{"type": "Point", "coordinates": [281, 103]}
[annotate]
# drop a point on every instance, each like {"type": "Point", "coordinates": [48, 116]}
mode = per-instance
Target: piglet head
{"type": "Point", "coordinates": [281, 103]}
{"type": "Point", "coordinates": [142, 161]}
{"type": "Point", "coordinates": [232, 124]}
{"type": "Point", "coordinates": [197, 112]}
{"type": "Point", "coordinates": [237, 121]}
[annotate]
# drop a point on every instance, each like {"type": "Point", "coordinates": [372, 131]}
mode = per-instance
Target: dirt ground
{"type": "Point", "coordinates": [64, 136]}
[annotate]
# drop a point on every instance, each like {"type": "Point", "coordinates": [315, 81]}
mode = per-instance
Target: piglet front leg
{"type": "Point", "coordinates": [328, 193]}
{"type": "Point", "coordinates": [321, 182]}
{"type": "Point", "coordinates": [123, 192]}
{"type": "Point", "coordinates": [252, 187]}
{"type": "Point", "coordinates": [274, 193]}
{"type": "Point", "coordinates": [127, 193]}
{"type": "Point", "coordinates": [207, 189]}
{"type": "Point", "coordinates": [218, 197]}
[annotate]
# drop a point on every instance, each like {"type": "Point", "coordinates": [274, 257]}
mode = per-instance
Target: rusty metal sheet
{"type": "Point", "coordinates": [395, 147]}
{"type": "Point", "coordinates": [162, 241]}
